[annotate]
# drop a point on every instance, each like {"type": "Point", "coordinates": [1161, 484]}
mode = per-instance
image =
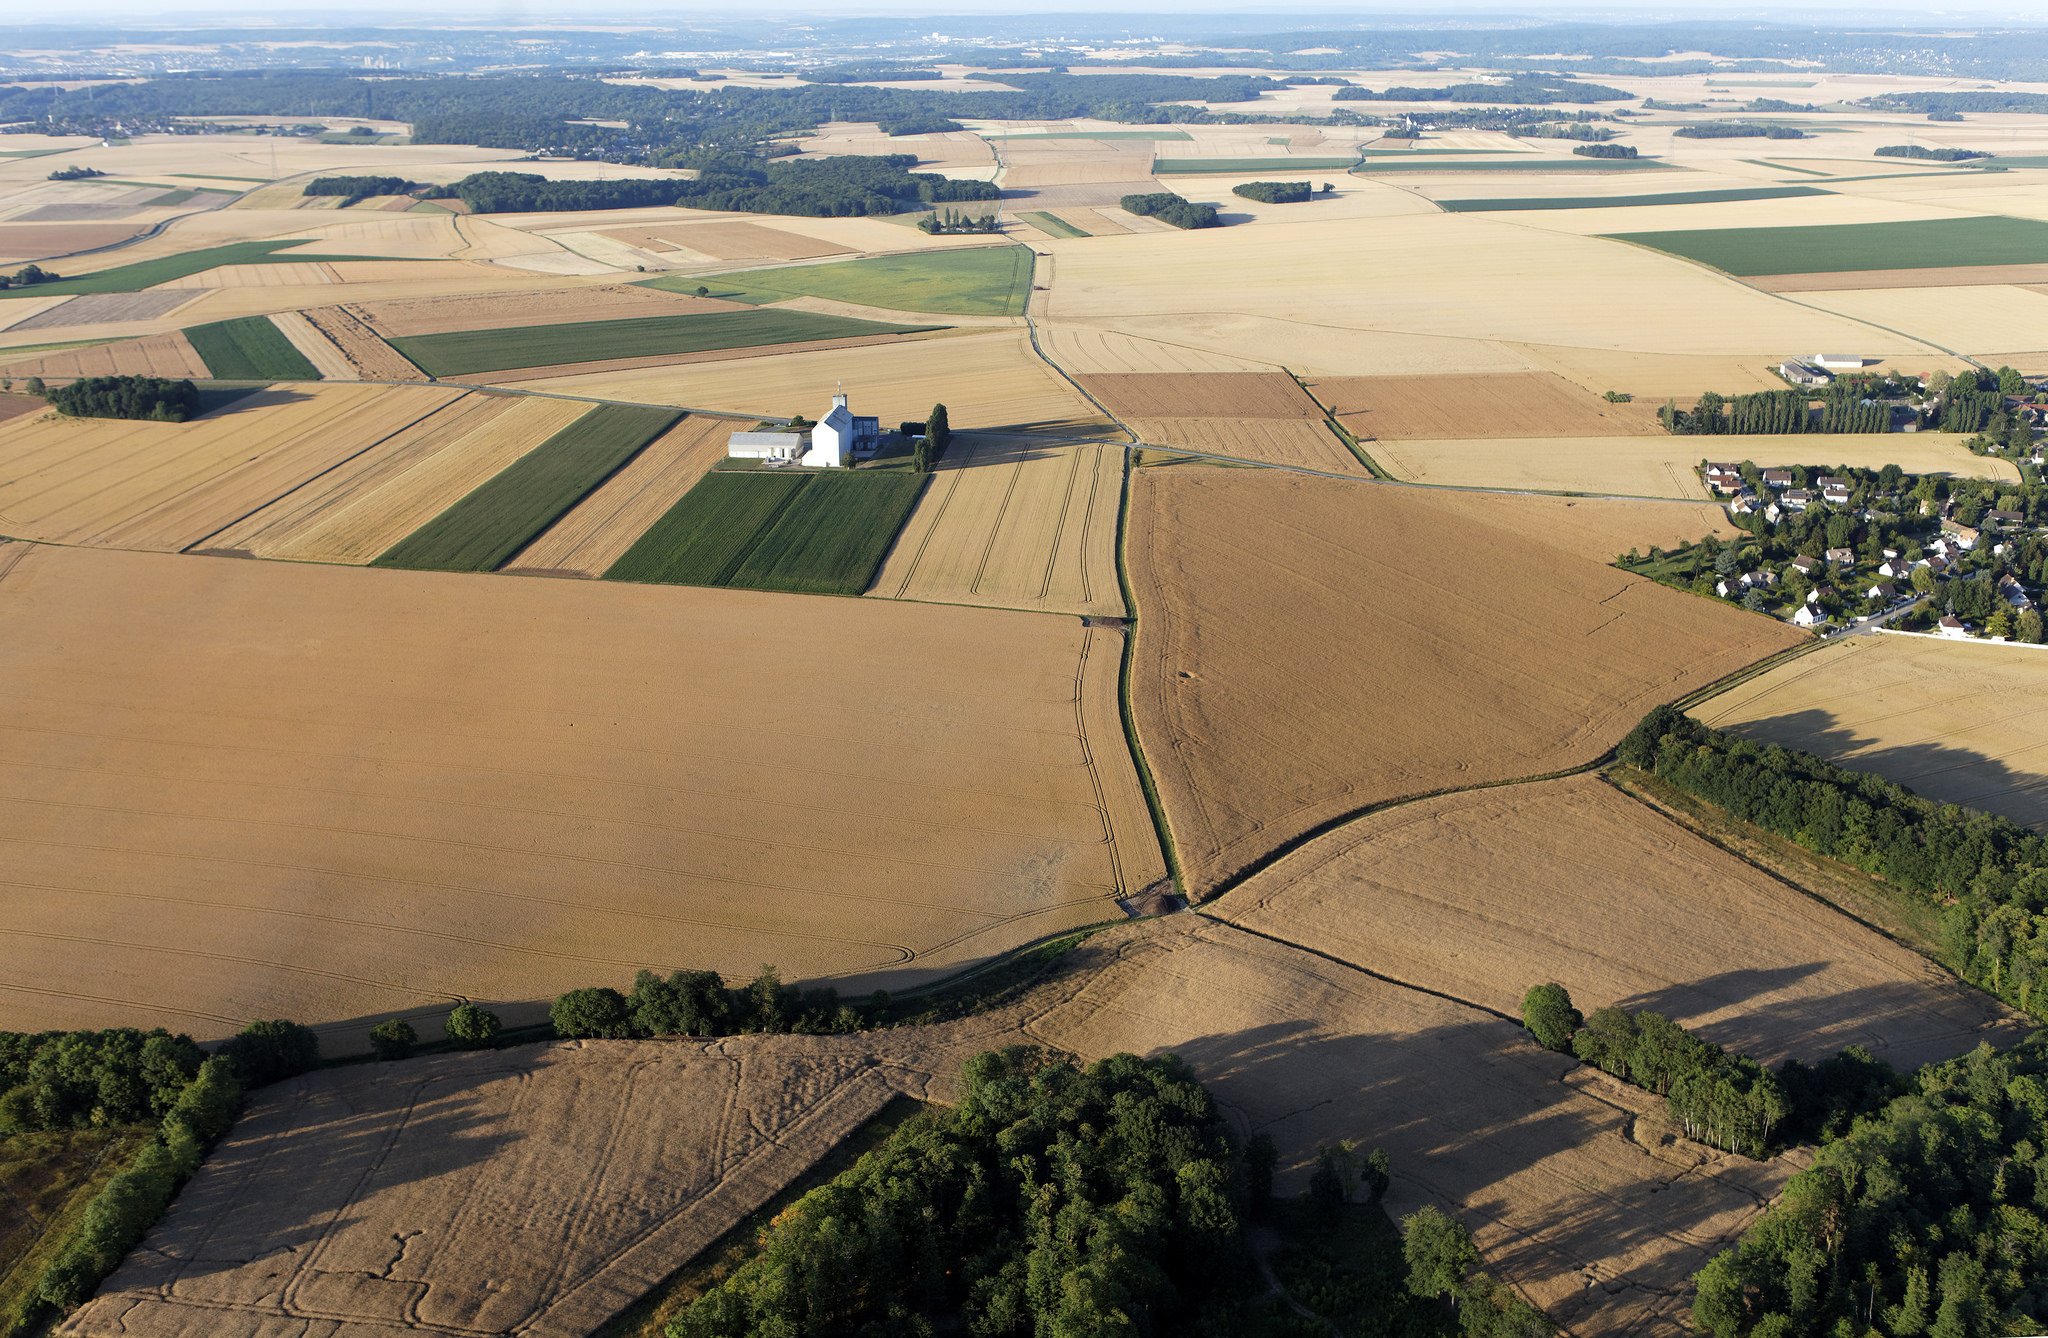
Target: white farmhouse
{"type": "Point", "coordinates": [839, 439]}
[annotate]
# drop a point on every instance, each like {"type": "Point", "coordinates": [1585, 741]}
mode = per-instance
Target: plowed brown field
{"type": "Point", "coordinates": [376, 1200]}
{"type": "Point", "coordinates": [169, 486]}
{"type": "Point", "coordinates": [1508, 404]}
{"type": "Point", "coordinates": [744, 241]}
{"type": "Point", "coordinates": [42, 241]}
{"type": "Point", "coordinates": [1013, 523]}
{"type": "Point", "coordinates": [234, 789]}
{"type": "Point", "coordinates": [1308, 647]}
{"type": "Point", "coordinates": [353, 514]}
{"type": "Point", "coordinates": [1307, 442]}
{"type": "Point", "coordinates": [507, 311]}
{"type": "Point", "coordinates": [1482, 894]}
{"type": "Point", "coordinates": [1201, 395]}
{"type": "Point", "coordinates": [599, 529]}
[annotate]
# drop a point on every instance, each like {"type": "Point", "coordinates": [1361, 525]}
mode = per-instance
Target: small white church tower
{"type": "Point", "coordinates": [832, 439]}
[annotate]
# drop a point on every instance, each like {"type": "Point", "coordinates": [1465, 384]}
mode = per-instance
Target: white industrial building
{"type": "Point", "coordinates": [837, 440]}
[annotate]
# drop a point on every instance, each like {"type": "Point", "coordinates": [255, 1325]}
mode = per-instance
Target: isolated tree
{"type": "Point", "coordinates": [1439, 1253]}
{"type": "Point", "coordinates": [702, 291]}
{"type": "Point", "coordinates": [393, 1038]}
{"type": "Point", "coordinates": [1548, 1014]}
{"type": "Point", "coordinates": [2027, 627]}
{"type": "Point", "coordinates": [938, 431]}
{"type": "Point", "coordinates": [36, 387]}
{"type": "Point", "coordinates": [472, 1027]}
{"type": "Point", "coordinates": [600, 1011]}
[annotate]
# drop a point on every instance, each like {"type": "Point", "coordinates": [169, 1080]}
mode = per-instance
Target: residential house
{"type": "Point", "coordinates": [1803, 373]}
{"type": "Point", "coordinates": [2004, 520]}
{"type": "Point", "coordinates": [1839, 362]}
{"type": "Point", "coordinates": [1806, 615]}
{"type": "Point", "coordinates": [1894, 567]}
{"type": "Point", "coordinates": [1883, 590]}
{"type": "Point", "coordinates": [1965, 537]}
{"type": "Point", "coordinates": [2013, 593]}
{"type": "Point", "coordinates": [1796, 499]}
{"type": "Point", "coordinates": [1777, 478]}
{"type": "Point", "coordinates": [1805, 566]}
{"type": "Point", "coordinates": [1724, 479]}
{"type": "Point", "coordinates": [1952, 626]}
{"type": "Point", "coordinates": [1834, 491]}
{"type": "Point", "coordinates": [1774, 513]}
{"type": "Point", "coordinates": [1743, 503]}
{"type": "Point", "coordinates": [1841, 557]}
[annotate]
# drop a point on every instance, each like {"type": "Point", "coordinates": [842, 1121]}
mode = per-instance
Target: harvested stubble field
{"type": "Point", "coordinates": [1271, 695]}
{"type": "Point", "coordinates": [1205, 395]}
{"type": "Point", "coordinates": [468, 352]}
{"type": "Point", "coordinates": [1516, 204]}
{"type": "Point", "coordinates": [1540, 1157]}
{"type": "Point", "coordinates": [250, 789]}
{"type": "Point", "coordinates": [25, 242]}
{"type": "Point", "coordinates": [483, 530]}
{"type": "Point", "coordinates": [1917, 244]}
{"type": "Point", "coordinates": [1978, 320]}
{"type": "Point", "coordinates": [169, 486]}
{"type": "Point", "coordinates": [1600, 528]}
{"type": "Point", "coordinates": [170, 355]}
{"type": "Point", "coordinates": [1478, 895]}
{"type": "Point", "coordinates": [1956, 722]}
{"type": "Point", "coordinates": [354, 513]}
{"type": "Point", "coordinates": [596, 533]}
{"type": "Point", "coordinates": [1662, 466]}
{"type": "Point", "coordinates": [507, 311]}
{"type": "Point", "coordinates": [1085, 350]}
{"type": "Point", "coordinates": [320, 354]}
{"type": "Point", "coordinates": [1013, 523]}
{"type": "Point", "coordinates": [249, 348]}
{"type": "Point", "coordinates": [735, 241]}
{"type": "Point", "coordinates": [105, 309]}
{"type": "Point", "coordinates": [988, 381]}
{"type": "Point", "coordinates": [1938, 276]}
{"type": "Point", "coordinates": [1505, 404]}
{"type": "Point", "coordinates": [366, 356]}
{"type": "Point", "coordinates": [1305, 442]}
{"type": "Point", "coordinates": [376, 1200]}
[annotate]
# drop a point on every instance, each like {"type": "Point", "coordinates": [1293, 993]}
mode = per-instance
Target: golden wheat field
{"type": "Point", "coordinates": [1505, 404]}
{"type": "Point", "coordinates": [1664, 466]}
{"type": "Point", "coordinates": [598, 530]}
{"type": "Point", "coordinates": [1481, 894]}
{"type": "Point", "coordinates": [168, 355]}
{"type": "Point", "coordinates": [1303, 443]}
{"type": "Point", "coordinates": [1960, 723]}
{"type": "Point", "coordinates": [1011, 522]}
{"type": "Point", "coordinates": [169, 486]}
{"type": "Point", "coordinates": [244, 789]}
{"type": "Point", "coordinates": [1307, 647]}
{"type": "Point", "coordinates": [353, 513]}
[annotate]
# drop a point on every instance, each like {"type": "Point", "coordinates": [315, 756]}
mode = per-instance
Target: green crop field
{"type": "Point", "coordinates": [149, 273]}
{"type": "Point", "coordinates": [1626, 201]}
{"type": "Point", "coordinates": [833, 535]}
{"type": "Point", "coordinates": [1840, 248]}
{"type": "Point", "coordinates": [1167, 167]}
{"type": "Point", "coordinates": [1379, 166]}
{"type": "Point", "coordinates": [981, 281]}
{"type": "Point", "coordinates": [249, 348]}
{"type": "Point", "coordinates": [808, 532]}
{"type": "Point", "coordinates": [466, 352]}
{"type": "Point", "coordinates": [704, 537]}
{"type": "Point", "coordinates": [485, 529]}
{"type": "Point", "coordinates": [1053, 223]}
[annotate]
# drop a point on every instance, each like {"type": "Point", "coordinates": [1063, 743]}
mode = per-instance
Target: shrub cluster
{"type": "Point", "coordinates": [952, 220]}
{"type": "Point", "coordinates": [1987, 876]}
{"type": "Point", "coordinates": [698, 1003]}
{"type": "Point", "coordinates": [1844, 408]}
{"type": "Point", "coordinates": [147, 397]}
{"type": "Point", "coordinates": [28, 276]}
{"type": "Point", "coordinates": [354, 188]}
{"type": "Point", "coordinates": [1605, 150]}
{"type": "Point", "coordinates": [1737, 130]}
{"type": "Point", "coordinates": [75, 173]}
{"type": "Point", "coordinates": [920, 125]}
{"type": "Point", "coordinates": [530, 193]}
{"type": "Point", "coordinates": [1168, 207]}
{"type": "Point", "coordinates": [1274, 192]}
{"type": "Point", "coordinates": [1936, 155]}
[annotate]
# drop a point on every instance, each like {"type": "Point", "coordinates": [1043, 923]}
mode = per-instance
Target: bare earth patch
{"type": "Point", "coordinates": [1307, 647]}
{"type": "Point", "coordinates": [366, 355]}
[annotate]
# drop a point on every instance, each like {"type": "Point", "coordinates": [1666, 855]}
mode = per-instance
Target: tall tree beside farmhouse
{"type": "Point", "coordinates": [937, 432]}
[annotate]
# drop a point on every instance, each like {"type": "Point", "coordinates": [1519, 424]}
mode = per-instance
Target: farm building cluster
{"type": "Point", "coordinates": [839, 439]}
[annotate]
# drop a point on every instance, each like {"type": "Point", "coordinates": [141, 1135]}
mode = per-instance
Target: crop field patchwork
{"type": "Point", "coordinates": [975, 281]}
{"type": "Point", "coordinates": [485, 528]}
{"type": "Point", "coordinates": [468, 352]}
{"type": "Point", "coordinates": [166, 269]}
{"type": "Point", "coordinates": [1505, 404]}
{"type": "Point", "coordinates": [1619, 904]}
{"type": "Point", "coordinates": [810, 533]}
{"type": "Point", "coordinates": [249, 348]}
{"type": "Point", "coordinates": [168, 486]}
{"type": "Point", "coordinates": [1259, 593]}
{"type": "Point", "coordinates": [1515, 204]}
{"type": "Point", "coordinates": [169, 355]}
{"type": "Point", "coordinates": [401, 317]}
{"type": "Point", "coordinates": [613, 786]}
{"type": "Point", "coordinates": [1916, 244]}
{"type": "Point", "coordinates": [1013, 523]}
{"type": "Point", "coordinates": [1957, 722]}
{"type": "Point", "coordinates": [1238, 166]}
{"type": "Point", "coordinates": [596, 533]}
{"type": "Point", "coordinates": [1051, 224]}
{"type": "Point", "coordinates": [1374, 167]}
{"type": "Point", "coordinates": [1206, 395]}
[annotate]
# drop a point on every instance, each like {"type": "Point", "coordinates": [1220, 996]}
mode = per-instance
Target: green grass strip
{"type": "Point", "coordinates": [149, 273]}
{"type": "Point", "coordinates": [1167, 167]}
{"type": "Point", "coordinates": [1841, 248]}
{"type": "Point", "coordinates": [249, 348]}
{"type": "Point", "coordinates": [1628, 201]}
{"type": "Point", "coordinates": [708, 533]}
{"type": "Point", "coordinates": [466, 352]}
{"type": "Point", "coordinates": [974, 281]}
{"type": "Point", "coordinates": [1053, 223]}
{"type": "Point", "coordinates": [1785, 167]}
{"type": "Point", "coordinates": [832, 537]}
{"type": "Point", "coordinates": [1380, 166]}
{"type": "Point", "coordinates": [485, 529]}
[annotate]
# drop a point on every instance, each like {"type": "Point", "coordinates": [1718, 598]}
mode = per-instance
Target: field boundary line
{"type": "Point", "coordinates": [1162, 827]}
{"type": "Point", "coordinates": [1343, 434]}
{"type": "Point", "coordinates": [1349, 965]}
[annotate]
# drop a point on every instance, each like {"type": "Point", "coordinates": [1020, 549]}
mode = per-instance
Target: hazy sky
{"type": "Point", "coordinates": [244, 11]}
